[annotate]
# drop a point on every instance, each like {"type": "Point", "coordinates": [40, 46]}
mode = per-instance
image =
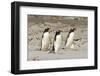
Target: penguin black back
{"type": "Point", "coordinates": [71, 30]}
{"type": "Point", "coordinates": [57, 33]}
{"type": "Point", "coordinates": [46, 30]}
{"type": "Point", "coordinates": [45, 39]}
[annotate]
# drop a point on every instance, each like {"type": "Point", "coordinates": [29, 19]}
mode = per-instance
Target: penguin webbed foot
{"type": "Point", "coordinates": [63, 48]}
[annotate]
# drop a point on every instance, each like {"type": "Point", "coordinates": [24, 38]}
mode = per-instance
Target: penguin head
{"type": "Point", "coordinates": [58, 32]}
{"type": "Point", "coordinates": [72, 29]}
{"type": "Point", "coordinates": [46, 30]}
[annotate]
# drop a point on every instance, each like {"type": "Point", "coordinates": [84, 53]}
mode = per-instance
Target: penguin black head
{"type": "Point", "coordinates": [46, 30]}
{"type": "Point", "coordinates": [58, 32]}
{"type": "Point", "coordinates": [72, 29]}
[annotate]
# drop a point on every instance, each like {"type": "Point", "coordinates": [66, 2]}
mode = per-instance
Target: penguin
{"type": "Point", "coordinates": [45, 40]}
{"type": "Point", "coordinates": [70, 37]}
{"type": "Point", "coordinates": [57, 42]}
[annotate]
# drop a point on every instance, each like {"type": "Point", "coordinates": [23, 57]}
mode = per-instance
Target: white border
{"type": "Point", "coordinates": [26, 65]}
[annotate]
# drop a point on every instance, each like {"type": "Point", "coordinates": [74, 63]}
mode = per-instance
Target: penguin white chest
{"type": "Point", "coordinates": [45, 40]}
{"type": "Point", "coordinates": [70, 39]}
{"type": "Point", "coordinates": [58, 42]}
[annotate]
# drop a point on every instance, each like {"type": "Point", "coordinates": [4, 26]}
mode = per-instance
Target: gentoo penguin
{"type": "Point", "coordinates": [57, 42]}
{"type": "Point", "coordinates": [70, 37]}
{"type": "Point", "coordinates": [45, 40]}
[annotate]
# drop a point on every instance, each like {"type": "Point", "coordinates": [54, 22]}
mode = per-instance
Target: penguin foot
{"type": "Point", "coordinates": [63, 48]}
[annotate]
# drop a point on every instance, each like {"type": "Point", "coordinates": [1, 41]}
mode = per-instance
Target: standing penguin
{"type": "Point", "coordinates": [45, 40]}
{"type": "Point", "coordinates": [57, 42]}
{"type": "Point", "coordinates": [70, 37]}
